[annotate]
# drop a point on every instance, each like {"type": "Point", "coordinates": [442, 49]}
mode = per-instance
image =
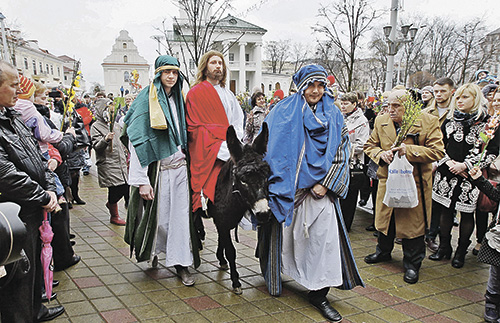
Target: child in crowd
{"type": "Point", "coordinates": [492, 296]}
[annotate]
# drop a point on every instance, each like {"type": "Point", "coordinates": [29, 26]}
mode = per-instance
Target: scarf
{"type": "Point", "coordinates": [150, 125]}
{"type": "Point", "coordinates": [465, 118]}
{"type": "Point", "coordinates": [302, 143]}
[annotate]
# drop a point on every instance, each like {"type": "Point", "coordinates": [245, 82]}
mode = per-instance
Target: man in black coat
{"type": "Point", "coordinates": [25, 180]}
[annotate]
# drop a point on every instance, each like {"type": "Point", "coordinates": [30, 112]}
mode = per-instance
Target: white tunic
{"type": "Point", "coordinates": [312, 259]}
{"type": "Point", "coordinates": [173, 236]}
{"type": "Point", "coordinates": [234, 115]}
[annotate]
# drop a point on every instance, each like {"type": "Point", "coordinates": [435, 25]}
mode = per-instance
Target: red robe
{"type": "Point", "coordinates": [207, 125]}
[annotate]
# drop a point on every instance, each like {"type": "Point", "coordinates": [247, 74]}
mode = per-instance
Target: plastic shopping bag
{"type": "Point", "coordinates": [400, 189]}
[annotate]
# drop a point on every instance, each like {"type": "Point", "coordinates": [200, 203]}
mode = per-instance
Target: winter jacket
{"type": "Point", "coordinates": [359, 132]}
{"type": "Point", "coordinates": [34, 120]}
{"type": "Point", "coordinates": [111, 158]}
{"type": "Point", "coordinates": [24, 176]}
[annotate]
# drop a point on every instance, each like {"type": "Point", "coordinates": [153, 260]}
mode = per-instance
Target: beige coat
{"type": "Point", "coordinates": [409, 222]}
{"type": "Point", "coordinates": [433, 110]}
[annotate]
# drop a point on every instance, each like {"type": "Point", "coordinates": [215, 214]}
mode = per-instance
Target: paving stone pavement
{"type": "Point", "coordinates": [108, 286]}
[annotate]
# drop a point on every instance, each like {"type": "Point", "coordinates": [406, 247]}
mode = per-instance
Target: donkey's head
{"type": "Point", "coordinates": [251, 172]}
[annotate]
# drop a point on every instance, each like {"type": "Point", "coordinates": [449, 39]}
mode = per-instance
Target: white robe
{"type": "Point", "coordinates": [172, 235]}
{"type": "Point", "coordinates": [313, 261]}
{"type": "Point", "coordinates": [234, 115]}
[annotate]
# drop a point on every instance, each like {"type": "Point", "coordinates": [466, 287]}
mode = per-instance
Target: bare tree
{"type": "Point", "coordinates": [197, 32]}
{"type": "Point", "coordinates": [325, 55]}
{"type": "Point", "coordinates": [443, 43]}
{"type": "Point", "coordinates": [473, 53]}
{"type": "Point", "coordinates": [299, 55]}
{"type": "Point", "coordinates": [277, 53]}
{"type": "Point", "coordinates": [344, 23]}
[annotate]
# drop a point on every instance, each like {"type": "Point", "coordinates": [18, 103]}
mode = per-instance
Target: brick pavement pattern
{"type": "Point", "coordinates": [108, 286]}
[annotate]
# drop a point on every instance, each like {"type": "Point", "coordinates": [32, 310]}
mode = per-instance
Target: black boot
{"type": "Point", "coordinates": [444, 250]}
{"type": "Point", "coordinates": [459, 258]}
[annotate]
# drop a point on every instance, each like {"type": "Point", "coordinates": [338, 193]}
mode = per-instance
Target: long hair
{"type": "Point", "coordinates": [203, 64]}
{"type": "Point", "coordinates": [479, 100]}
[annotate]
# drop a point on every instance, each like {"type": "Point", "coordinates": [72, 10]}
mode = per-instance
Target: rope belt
{"type": "Point", "coordinates": [173, 166]}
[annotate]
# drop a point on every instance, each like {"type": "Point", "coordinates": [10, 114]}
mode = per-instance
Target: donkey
{"type": "Point", "coordinates": [242, 185]}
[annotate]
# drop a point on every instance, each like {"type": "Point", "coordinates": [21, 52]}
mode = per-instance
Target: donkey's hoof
{"type": "Point", "coordinates": [154, 263]}
{"type": "Point", "coordinates": [237, 290]}
{"type": "Point", "coordinates": [224, 267]}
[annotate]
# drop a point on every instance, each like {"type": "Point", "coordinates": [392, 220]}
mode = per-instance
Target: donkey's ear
{"type": "Point", "coordinates": [260, 143]}
{"type": "Point", "coordinates": [233, 144]}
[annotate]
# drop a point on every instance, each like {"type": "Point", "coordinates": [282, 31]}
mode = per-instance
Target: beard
{"type": "Point", "coordinates": [215, 75]}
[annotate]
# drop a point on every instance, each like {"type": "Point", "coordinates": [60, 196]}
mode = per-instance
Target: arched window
{"type": "Point", "coordinates": [126, 77]}
{"type": "Point", "coordinates": [26, 66]}
{"type": "Point", "coordinates": [125, 59]}
{"type": "Point", "coordinates": [124, 45]}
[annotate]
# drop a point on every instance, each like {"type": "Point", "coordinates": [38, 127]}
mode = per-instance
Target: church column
{"type": "Point", "coordinates": [241, 86]}
{"type": "Point", "coordinates": [258, 64]}
{"type": "Point", "coordinates": [225, 52]}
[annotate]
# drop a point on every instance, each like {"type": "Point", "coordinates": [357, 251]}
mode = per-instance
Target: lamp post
{"type": "Point", "coordinates": [392, 42]}
{"type": "Point", "coordinates": [4, 39]}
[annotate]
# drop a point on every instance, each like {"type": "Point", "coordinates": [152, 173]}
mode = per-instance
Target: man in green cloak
{"type": "Point", "coordinates": [159, 217]}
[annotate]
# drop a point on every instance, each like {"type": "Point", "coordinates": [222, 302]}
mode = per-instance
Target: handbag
{"type": "Point", "coordinates": [487, 254]}
{"type": "Point", "coordinates": [484, 203]}
{"type": "Point", "coordinates": [13, 233]}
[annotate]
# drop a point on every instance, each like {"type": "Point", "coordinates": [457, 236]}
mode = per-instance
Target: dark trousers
{"type": "Point", "coordinates": [61, 244]}
{"type": "Point", "coordinates": [115, 193]}
{"type": "Point", "coordinates": [365, 189]}
{"type": "Point", "coordinates": [481, 224]}
{"type": "Point", "coordinates": [348, 205]}
{"type": "Point", "coordinates": [435, 220]}
{"type": "Point", "coordinates": [413, 249]}
{"type": "Point", "coordinates": [316, 297]}
{"type": "Point", "coordinates": [21, 298]}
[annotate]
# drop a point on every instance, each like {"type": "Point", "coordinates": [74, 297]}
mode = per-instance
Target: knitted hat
{"type": "Point", "coordinates": [309, 74]}
{"type": "Point", "coordinates": [279, 93]}
{"type": "Point", "coordinates": [428, 88]}
{"type": "Point", "coordinates": [331, 79]}
{"type": "Point", "coordinates": [27, 87]}
{"type": "Point", "coordinates": [487, 89]}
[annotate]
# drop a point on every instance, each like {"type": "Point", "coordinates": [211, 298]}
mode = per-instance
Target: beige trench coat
{"type": "Point", "coordinates": [409, 222]}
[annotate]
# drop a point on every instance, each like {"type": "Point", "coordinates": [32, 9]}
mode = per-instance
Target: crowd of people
{"type": "Point", "coordinates": [328, 152]}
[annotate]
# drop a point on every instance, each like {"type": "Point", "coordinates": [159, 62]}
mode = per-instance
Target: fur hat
{"type": "Point", "coordinates": [27, 87]}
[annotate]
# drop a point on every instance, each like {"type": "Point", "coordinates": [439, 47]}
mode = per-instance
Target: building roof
{"type": "Point", "coordinates": [232, 22]}
{"type": "Point", "coordinates": [494, 32]}
{"type": "Point", "coordinates": [66, 58]}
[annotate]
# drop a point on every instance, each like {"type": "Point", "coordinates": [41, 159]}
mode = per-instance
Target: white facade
{"type": "Point", "coordinates": [118, 66]}
{"type": "Point", "coordinates": [273, 81]}
{"type": "Point", "coordinates": [241, 44]}
{"type": "Point", "coordinates": [69, 73]}
{"type": "Point", "coordinates": [32, 61]}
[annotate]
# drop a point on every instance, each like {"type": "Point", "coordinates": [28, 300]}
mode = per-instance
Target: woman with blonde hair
{"type": "Point", "coordinates": [452, 189]}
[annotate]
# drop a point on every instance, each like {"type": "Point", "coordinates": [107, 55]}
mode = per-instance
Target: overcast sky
{"type": "Point", "coordinates": [86, 29]}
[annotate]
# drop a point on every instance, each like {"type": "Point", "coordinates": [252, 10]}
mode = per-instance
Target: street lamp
{"type": "Point", "coordinates": [4, 38]}
{"type": "Point", "coordinates": [392, 42]}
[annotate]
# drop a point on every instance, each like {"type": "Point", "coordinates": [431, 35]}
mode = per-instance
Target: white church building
{"type": "Point", "coordinates": [125, 68]}
{"type": "Point", "coordinates": [239, 41]}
